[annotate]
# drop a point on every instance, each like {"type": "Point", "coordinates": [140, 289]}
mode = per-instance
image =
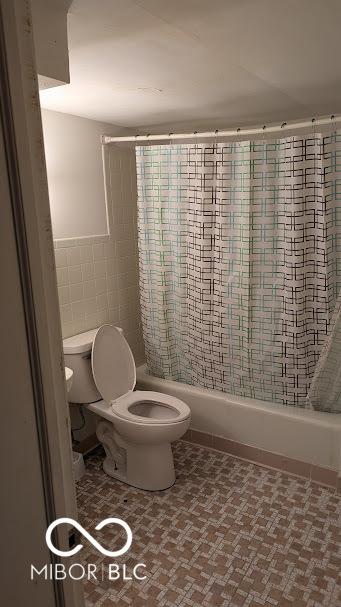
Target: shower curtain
{"type": "Point", "coordinates": [325, 389]}
{"type": "Point", "coordinates": [240, 263]}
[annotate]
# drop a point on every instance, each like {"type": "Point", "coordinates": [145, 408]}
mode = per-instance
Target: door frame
{"type": "Point", "coordinates": [26, 183]}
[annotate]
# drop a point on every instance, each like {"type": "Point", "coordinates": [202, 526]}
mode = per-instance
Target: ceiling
{"type": "Point", "coordinates": [183, 64]}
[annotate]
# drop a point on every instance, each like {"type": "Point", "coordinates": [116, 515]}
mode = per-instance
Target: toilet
{"type": "Point", "coordinates": [136, 428]}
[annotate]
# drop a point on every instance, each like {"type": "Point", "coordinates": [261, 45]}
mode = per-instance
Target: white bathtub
{"type": "Point", "coordinates": [309, 437]}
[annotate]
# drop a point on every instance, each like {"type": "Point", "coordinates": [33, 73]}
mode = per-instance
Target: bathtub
{"type": "Point", "coordinates": [300, 441]}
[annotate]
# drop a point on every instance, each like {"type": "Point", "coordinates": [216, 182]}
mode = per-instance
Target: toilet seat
{"type": "Point", "coordinates": [114, 372]}
{"type": "Point", "coordinates": [113, 365]}
{"type": "Point", "coordinates": [178, 410]}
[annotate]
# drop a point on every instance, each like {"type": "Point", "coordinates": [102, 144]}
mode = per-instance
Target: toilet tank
{"type": "Point", "coordinates": [77, 356]}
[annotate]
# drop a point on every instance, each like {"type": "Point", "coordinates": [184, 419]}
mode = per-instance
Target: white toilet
{"type": "Point", "coordinates": [137, 427]}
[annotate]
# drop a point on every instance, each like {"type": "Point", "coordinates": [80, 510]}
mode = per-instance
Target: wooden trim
{"type": "Point", "coordinates": [20, 115]}
{"type": "Point", "coordinates": [16, 194]}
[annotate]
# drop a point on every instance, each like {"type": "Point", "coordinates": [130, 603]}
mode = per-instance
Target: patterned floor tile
{"type": "Point", "coordinates": [228, 534]}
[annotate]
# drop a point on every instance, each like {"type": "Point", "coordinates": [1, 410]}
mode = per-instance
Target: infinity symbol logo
{"type": "Point", "coordinates": [107, 521]}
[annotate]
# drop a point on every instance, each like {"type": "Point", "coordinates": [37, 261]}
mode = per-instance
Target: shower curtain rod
{"type": "Point", "coordinates": [272, 128]}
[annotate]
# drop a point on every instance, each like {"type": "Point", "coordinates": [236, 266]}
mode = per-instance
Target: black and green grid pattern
{"type": "Point", "coordinates": [240, 262]}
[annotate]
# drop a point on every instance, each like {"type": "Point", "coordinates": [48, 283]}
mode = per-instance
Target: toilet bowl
{"type": "Point", "coordinates": [135, 427]}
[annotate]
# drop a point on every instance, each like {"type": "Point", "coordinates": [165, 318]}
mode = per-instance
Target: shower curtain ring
{"type": "Point", "coordinates": [238, 142]}
{"type": "Point", "coordinates": [196, 141]}
{"type": "Point", "coordinates": [215, 139]}
{"type": "Point", "coordinates": [314, 127]}
{"type": "Point", "coordinates": [283, 125]}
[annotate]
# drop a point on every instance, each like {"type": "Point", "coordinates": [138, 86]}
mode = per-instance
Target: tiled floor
{"type": "Point", "coordinates": [227, 533]}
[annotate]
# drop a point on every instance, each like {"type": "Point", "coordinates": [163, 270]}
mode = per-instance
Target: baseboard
{"type": "Point", "coordinates": [312, 472]}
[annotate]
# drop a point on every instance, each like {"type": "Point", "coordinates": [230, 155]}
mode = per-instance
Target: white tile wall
{"type": "Point", "coordinates": [98, 276]}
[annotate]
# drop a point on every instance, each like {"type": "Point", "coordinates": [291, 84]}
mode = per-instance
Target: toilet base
{"type": "Point", "coordinates": [148, 467]}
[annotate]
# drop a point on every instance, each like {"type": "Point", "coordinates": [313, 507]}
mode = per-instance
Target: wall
{"type": "Point", "coordinates": [75, 174]}
{"type": "Point", "coordinates": [97, 276]}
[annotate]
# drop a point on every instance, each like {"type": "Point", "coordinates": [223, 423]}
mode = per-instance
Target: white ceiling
{"type": "Point", "coordinates": [176, 64]}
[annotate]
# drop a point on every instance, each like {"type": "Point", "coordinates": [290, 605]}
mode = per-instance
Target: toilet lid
{"type": "Point", "coordinates": [113, 365]}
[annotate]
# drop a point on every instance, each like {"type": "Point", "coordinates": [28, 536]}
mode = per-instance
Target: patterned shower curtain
{"type": "Point", "coordinates": [325, 389]}
{"type": "Point", "coordinates": [240, 262]}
